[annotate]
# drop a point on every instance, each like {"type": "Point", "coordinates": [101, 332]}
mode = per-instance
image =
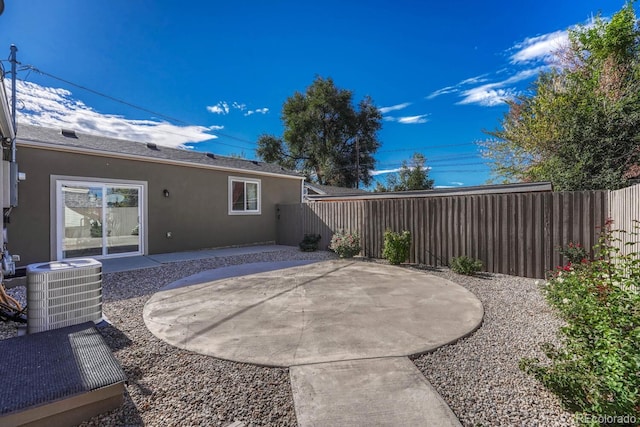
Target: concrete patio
{"type": "Point", "coordinates": [344, 328]}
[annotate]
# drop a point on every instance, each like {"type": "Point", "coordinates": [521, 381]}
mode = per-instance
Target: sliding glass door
{"type": "Point", "coordinates": [99, 219]}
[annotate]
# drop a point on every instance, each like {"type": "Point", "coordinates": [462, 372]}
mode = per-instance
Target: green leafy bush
{"type": "Point", "coordinates": [96, 228]}
{"type": "Point", "coordinates": [396, 246]}
{"type": "Point", "coordinates": [596, 368]}
{"type": "Point", "coordinates": [574, 253]}
{"type": "Point", "coordinates": [345, 244]}
{"type": "Point", "coordinates": [310, 242]}
{"type": "Point", "coordinates": [465, 265]}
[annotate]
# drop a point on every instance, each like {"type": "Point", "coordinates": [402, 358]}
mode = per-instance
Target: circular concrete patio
{"type": "Point", "coordinates": [284, 314]}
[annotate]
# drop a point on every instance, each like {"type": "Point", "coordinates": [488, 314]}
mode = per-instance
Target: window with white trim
{"type": "Point", "coordinates": [244, 196]}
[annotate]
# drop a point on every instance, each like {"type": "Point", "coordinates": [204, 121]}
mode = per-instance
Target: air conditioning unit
{"type": "Point", "coordinates": [63, 293]}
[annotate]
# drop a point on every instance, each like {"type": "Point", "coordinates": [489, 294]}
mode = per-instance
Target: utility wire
{"type": "Point", "coordinates": [104, 95]}
{"type": "Point", "coordinates": [430, 160]}
{"type": "Point", "coordinates": [137, 107]}
{"type": "Point", "coordinates": [426, 147]}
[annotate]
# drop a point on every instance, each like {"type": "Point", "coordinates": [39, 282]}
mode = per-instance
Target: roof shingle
{"type": "Point", "coordinates": [55, 137]}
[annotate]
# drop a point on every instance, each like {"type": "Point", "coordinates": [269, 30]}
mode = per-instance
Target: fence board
{"type": "Point", "coordinates": [624, 207]}
{"type": "Point", "coordinates": [516, 234]}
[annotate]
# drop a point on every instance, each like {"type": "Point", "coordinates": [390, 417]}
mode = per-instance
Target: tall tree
{"type": "Point", "coordinates": [580, 126]}
{"type": "Point", "coordinates": [411, 176]}
{"type": "Point", "coordinates": [326, 136]}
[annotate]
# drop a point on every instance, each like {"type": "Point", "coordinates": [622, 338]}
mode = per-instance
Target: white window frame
{"type": "Point", "coordinates": [56, 183]}
{"type": "Point", "coordinates": [245, 181]}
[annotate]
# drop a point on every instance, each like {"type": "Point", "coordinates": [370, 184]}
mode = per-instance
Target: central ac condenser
{"type": "Point", "coordinates": [63, 293]}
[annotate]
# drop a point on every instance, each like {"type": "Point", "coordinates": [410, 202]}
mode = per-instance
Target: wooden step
{"type": "Point", "coordinates": [59, 377]}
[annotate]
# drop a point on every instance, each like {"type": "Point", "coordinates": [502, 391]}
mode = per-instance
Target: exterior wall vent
{"type": "Point", "coordinates": [69, 133]}
{"type": "Point", "coordinates": [152, 146]}
{"type": "Point", "coordinates": [63, 293]}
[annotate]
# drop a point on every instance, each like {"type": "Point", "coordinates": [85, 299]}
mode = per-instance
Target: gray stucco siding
{"type": "Point", "coordinates": [196, 211]}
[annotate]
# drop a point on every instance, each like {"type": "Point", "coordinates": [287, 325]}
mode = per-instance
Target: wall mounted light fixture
{"type": "Point", "coordinates": [165, 192]}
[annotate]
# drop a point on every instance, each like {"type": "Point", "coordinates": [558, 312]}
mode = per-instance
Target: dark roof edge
{"type": "Point", "coordinates": [533, 187]}
{"type": "Point", "coordinates": [315, 188]}
{"type": "Point", "coordinates": [333, 190]}
{"type": "Point", "coordinates": [32, 143]}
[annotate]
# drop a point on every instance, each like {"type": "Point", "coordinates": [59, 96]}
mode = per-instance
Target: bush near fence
{"type": "Point", "coordinates": [514, 233]}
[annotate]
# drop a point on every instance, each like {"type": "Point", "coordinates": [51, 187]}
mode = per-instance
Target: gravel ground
{"type": "Point", "coordinates": [477, 376]}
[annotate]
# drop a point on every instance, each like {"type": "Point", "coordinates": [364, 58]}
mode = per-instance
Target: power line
{"type": "Point", "coordinates": [215, 132]}
{"type": "Point", "coordinates": [140, 108]}
{"type": "Point", "coordinates": [429, 147]}
{"type": "Point", "coordinates": [435, 162]}
{"type": "Point", "coordinates": [104, 95]}
{"type": "Point", "coordinates": [430, 160]}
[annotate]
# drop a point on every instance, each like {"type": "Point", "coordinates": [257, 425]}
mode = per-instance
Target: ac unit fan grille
{"type": "Point", "coordinates": [63, 296]}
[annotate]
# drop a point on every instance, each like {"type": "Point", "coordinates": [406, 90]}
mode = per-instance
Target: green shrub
{"type": "Point", "coordinates": [345, 244]}
{"type": "Point", "coordinates": [574, 253]}
{"type": "Point", "coordinates": [96, 228]}
{"type": "Point", "coordinates": [310, 242]}
{"type": "Point", "coordinates": [465, 265]}
{"type": "Point", "coordinates": [596, 369]}
{"type": "Point", "coordinates": [396, 246]}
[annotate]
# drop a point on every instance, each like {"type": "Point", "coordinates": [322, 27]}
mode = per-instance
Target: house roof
{"type": "Point", "coordinates": [70, 141]}
{"type": "Point", "coordinates": [441, 192]}
{"type": "Point", "coordinates": [331, 190]}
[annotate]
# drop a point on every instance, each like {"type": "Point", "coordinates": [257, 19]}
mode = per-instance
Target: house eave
{"type": "Point", "coordinates": [112, 155]}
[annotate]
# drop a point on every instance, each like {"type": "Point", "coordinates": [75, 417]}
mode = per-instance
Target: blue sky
{"type": "Point", "coordinates": [439, 71]}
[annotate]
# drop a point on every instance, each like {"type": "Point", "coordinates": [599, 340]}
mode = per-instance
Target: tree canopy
{"type": "Point", "coordinates": [580, 126]}
{"type": "Point", "coordinates": [411, 176]}
{"type": "Point", "coordinates": [325, 136]}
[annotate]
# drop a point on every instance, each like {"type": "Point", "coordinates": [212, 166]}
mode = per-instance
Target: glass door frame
{"type": "Point", "coordinates": [59, 182]}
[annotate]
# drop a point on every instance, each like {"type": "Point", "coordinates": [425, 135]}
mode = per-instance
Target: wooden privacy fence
{"type": "Point", "coordinates": [624, 208]}
{"type": "Point", "coordinates": [517, 233]}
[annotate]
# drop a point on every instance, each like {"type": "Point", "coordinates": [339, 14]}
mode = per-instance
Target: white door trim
{"type": "Point", "coordinates": [56, 206]}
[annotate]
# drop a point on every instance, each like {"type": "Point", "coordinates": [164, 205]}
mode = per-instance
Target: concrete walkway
{"type": "Point", "coordinates": [114, 265]}
{"type": "Point", "coordinates": [367, 392]}
{"type": "Point", "coordinates": [344, 328]}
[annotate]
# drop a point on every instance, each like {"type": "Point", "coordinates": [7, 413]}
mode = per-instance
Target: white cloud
{"type": "Point", "coordinates": [223, 107]}
{"type": "Point", "coordinates": [539, 48]}
{"type": "Point", "coordinates": [422, 118]}
{"type": "Point", "coordinates": [385, 110]}
{"type": "Point", "coordinates": [473, 80]}
{"type": "Point", "coordinates": [528, 53]}
{"type": "Point", "coordinates": [56, 108]}
{"type": "Point", "coordinates": [452, 184]}
{"type": "Point", "coordinates": [487, 97]}
{"type": "Point", "coordinates": [523, 75]}
{"type": "Point", "coordinates": [384, 171]}
{"type": "Point", "coordinates": [264, 110]}
{"type": "Point", "coordinates": [488, 94]}
{"type": "Point", "coordinates": [443, 91]}
{"type": "Point", "coordinates": [456, 88]}
{"type": "Point", "coordinates": [496, 93]}
{"type": "Point", "coordinates": [408, 120]}
{"type": "Point", "coordinates": [220, 108]}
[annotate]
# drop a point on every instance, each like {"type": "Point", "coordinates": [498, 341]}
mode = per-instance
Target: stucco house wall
{"type": "Point", "coordinates": [196, 212]}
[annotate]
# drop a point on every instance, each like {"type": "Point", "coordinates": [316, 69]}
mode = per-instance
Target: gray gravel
{"type": "Point", "coordinates": [477, 376]}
